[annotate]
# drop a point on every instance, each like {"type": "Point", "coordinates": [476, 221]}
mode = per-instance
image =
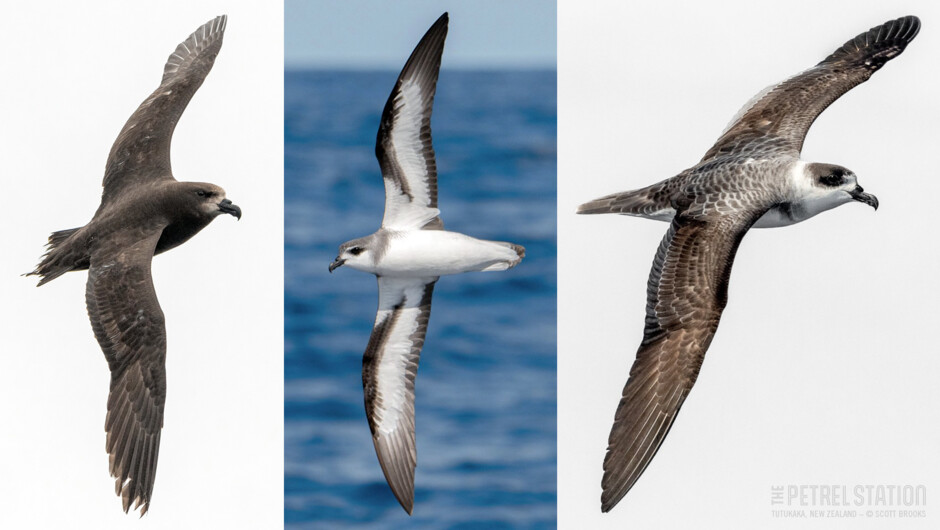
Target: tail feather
{"type": "Point", "coordinates": [519, 249]}
{"type": "Point", "coordinates": [520, 253]}
{"type": "Point", "coordinates": [56, 238]}
{"type": "Point", "coordinates": [652, 202]}
{"type": "Point", "coordinates": [507, 263]}
{"type": "Point", "coordinates": [59, 258]}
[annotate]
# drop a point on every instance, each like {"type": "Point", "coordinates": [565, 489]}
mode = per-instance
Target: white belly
{"type": "Point", "coordinates": [801, 211]}
{"type": "Point", "coordinates": [423, 253]}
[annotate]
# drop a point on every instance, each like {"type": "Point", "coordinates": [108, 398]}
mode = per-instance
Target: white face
{"type": "Point", "coordinates": [825, 187]}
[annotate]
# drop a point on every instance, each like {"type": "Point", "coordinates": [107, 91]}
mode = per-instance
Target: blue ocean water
{"type": "Point", "coordinates": [485, 391]}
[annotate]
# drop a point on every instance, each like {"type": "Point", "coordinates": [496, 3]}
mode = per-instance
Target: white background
{"type": "Point", "coordinates": [824, 368]}
{"type": "Point", "coordinates": [73, 73]}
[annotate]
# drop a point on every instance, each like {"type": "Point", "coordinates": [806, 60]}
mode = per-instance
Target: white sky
{"type": "Point", "coordinates": [363, 34]}
{"type": "Point", "coordinates": [824, 368]}
{"type": "Point", "coordinates": [73, 74]}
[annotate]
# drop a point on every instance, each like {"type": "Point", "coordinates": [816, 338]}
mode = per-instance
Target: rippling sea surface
{"type": "Point", "coordinates": [485, 391]}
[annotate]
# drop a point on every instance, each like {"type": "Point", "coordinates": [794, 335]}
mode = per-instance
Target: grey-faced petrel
{"type": "Point", "coordinates": [408, 254]}
{"type": "Point", "coordinates": [751, 177]}
{"type": "Point", "coordinates": [144, 211]}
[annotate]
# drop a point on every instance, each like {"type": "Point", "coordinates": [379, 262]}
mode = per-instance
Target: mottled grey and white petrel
{"type": "Point", "coordinates": [408, 254]}
{"type": "Point", "coordinates": [751, 177]}
{"type": "Point", "coordinates": [144, 211]}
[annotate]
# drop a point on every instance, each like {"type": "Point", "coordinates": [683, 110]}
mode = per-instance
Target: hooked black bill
{"type": "Point", "coordinates": [338, 262]}
{"type": "Point", "coordinates": [227, 206]}
{"type": "Point", "coordinates": [859, 195]}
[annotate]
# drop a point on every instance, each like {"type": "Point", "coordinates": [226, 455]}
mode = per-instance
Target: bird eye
{"type": "Point", "coordinates": [200, 193]}
{"type": "Point", "coordinates": [832, 180]}
{"type": "Point", "coordinates": [355, 251]}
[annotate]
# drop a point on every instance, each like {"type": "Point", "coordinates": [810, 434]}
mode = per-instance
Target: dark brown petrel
{"type": "Point", "coordinates": [144, 211]}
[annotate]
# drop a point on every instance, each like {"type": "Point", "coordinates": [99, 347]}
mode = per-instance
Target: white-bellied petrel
{"type": "Point", "coordinates": [408, 254]}
{"type": "Point", "coordinates": [751, 177]}
{"type": "Point", "coordinates": [144, 211]}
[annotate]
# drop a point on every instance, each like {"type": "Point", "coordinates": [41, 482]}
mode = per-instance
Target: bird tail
{"type": "Point", "coordinates": [60, 257]}
{"type": "Point", "coordinates": [651, 202]}
{"type": "Point", "coordinates": [508, 261]}
{"type": "Point", "coordinates": [519, 250]}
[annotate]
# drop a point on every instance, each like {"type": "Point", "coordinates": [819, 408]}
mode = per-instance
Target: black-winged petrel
{"type": "Point", "coordinates": [408, 254]}
{"type": "Point", "coordinates": [144, 211]}
{"type": "Point", "coordinates": [751, 177]}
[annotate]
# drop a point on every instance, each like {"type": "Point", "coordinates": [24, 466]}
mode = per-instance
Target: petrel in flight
{"type": "Point", "coordinates": [408, 254]}
{"type": "Point", "coordinates": [144, 211]}
{"type": "Point", "coordinates": [751, 177]}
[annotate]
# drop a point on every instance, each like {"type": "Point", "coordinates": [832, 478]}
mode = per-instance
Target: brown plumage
{"type": "Point", "coordinates": [781, 117]}
{"type": "Point", "coordinates": [144, 211]}
{"type": "Point", "coordinates": [752, 176]}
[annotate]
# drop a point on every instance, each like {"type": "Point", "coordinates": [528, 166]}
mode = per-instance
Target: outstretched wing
{"type": "Point", "coordinates": [142, 150]}
{"type": "Point", "coordinates": [128, 323]}
{"type": "Point", "coordinates": [687, 291]}
{"type": "Point", "coordinates": [778, 118]}
{"type": "Point", "coordinates": [403, 144]}
{"type": "Point", "coordinates": [389, 367]}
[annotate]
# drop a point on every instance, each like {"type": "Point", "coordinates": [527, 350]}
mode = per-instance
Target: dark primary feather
{"type": "Point", "coordinates": [128, 323]}
{"type": "Point", "coordinates": [396, 449]}
{"type": "Point", "coordinates": [142, 149]}
{"type": "Point", "coordinates": [422, 67]}
{"type": "Point", "coordinates": [779, 121]}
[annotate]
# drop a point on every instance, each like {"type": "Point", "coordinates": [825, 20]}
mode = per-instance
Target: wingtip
{"type": "Point", "coordinates": [130, 500]}
{"type": "Point", "coordinates": [610, 496]}
{"type": "Point", "coordinates": [440, 24]}
{"type": "Point", "coordinates": [879, 44]}
{"type": "Point", "coordinates": [405, 498]}
{"type": "Point", "coordinates": [608, 500]}
{"type": "Point", "coordinates": [223, 22]}
{"type": "Point", "coordinates": [438, 27]}
{"type": "Point", "coordinates": [399, 471]}
{"type": "Point", "coordinates": [187, 52]}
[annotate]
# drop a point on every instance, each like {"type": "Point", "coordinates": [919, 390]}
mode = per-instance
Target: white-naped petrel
{"type": "Point", "coordinates": [144, 211]}
{"type": "Point", "coordinates": [408, 254]}
{"type": "Point", "coordinates": [751, 177]}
